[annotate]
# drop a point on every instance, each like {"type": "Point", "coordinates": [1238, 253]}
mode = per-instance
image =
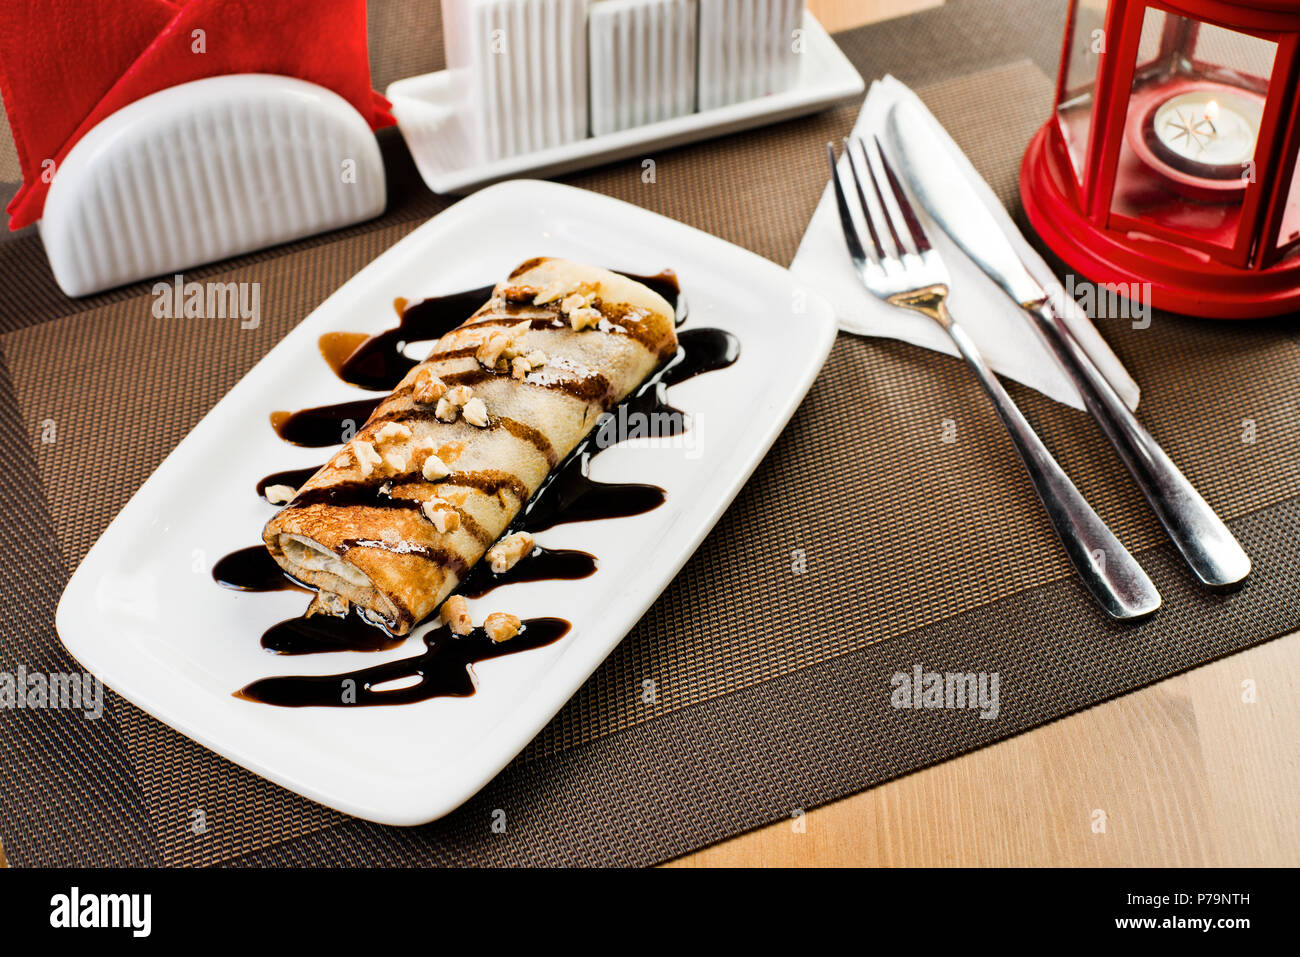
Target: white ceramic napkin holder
{"type": "Point", "coordinates": [204, 171]}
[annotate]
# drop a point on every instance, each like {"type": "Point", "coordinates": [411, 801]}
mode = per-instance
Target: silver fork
{"type": "Point", "coordinates": [900, 266]}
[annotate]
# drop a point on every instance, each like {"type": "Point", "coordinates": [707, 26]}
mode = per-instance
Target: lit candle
{"type": "Point", "coordinates": [1208, 131]}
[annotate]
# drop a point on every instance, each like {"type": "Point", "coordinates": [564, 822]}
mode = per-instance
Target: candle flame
{"type": "Point", "coordinates": [1212, 109]}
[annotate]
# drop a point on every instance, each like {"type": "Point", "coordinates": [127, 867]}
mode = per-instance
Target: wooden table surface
{"type": "Point", "coordinates": [1186, 772]}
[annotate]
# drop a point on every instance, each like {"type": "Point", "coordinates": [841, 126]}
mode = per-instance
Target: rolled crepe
{"type": "Point", "coordinates": [366, 526]}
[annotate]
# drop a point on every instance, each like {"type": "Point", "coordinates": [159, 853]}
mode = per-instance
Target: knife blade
{"type": "Point", "coordinates": [943, 189]}
{"type": "Point", "coordinates": [956, 207]}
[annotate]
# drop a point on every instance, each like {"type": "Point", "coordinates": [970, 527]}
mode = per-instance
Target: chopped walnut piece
{"type": "Point", "coordinates": [455, 614]}
{"type": "Point", "coordinates": [520, 367]}
{"type": "Point", "coordinates": [550, 292]}
{"type": "Point", "coordinates": [434, 468]}
{"type": "Point", "coordinates": [536, 358]}
{"type": "Point", "coordinates": [476, 413]}
{"type": "Point", "coordinates": [519, 295]}
{"type": "Point", "coordinates": [505, 554]}
{"type": "Point", "coordinates": [574, 300]}
{"type": "Point", "coordinates": [367, 457]}
{"type": "Point", "coordinates": [460, 395]}
{"type": "Point", "coordinates": [575, 303]}
{"type": "Point", "coordinates": [279, 494]}
{"type": "Point", "coordinates": [501, 626]}
{"type": "Point", "coordinates": [447, 410]}
{"type": "Point", "coordinates": [503, 345]}
{"type": "Point", "coordinates": [444, 517]}
{"type": "Point", "coordinates": [392, 430]}
{"type": "Point", "coordinates": [492, 349]}
{"type": "Point", "coordinates": [571, 295]}
{"type": "Point", "coordinates": [584, 317]}
{"type": "Point", "coordinates": [515, 338]}
{"type": "Point", "coordinates": [427, 388]}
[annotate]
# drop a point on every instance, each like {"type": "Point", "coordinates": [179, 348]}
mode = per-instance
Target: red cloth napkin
{"type": "Point", "coordinates": [65, 65]}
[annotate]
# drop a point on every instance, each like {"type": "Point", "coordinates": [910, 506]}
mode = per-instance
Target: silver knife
{"type": "Point", "coordinates": [1204, 540]}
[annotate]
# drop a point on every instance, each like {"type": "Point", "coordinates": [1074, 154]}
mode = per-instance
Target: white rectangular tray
{"type": "Point", "coordinates": [143, 613]}
{"type": "Point", "coordinates": [428, 113]}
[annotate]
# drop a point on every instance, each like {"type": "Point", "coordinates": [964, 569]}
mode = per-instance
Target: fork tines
{"type": "Point", "coordinates": [899, 215]}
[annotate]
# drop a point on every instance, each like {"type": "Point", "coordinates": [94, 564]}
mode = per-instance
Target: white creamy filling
{"type": "Point", "coordinates": [315, 557]}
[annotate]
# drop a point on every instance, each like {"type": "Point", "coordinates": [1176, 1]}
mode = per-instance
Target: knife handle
{"type": "Point", "coordinates": [1204, 540]}
{"type": "Point", "coordinates": [1109, 572]}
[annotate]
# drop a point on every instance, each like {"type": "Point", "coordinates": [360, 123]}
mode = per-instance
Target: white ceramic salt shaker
{"type": "Point", "coordinates": [521, 69]}
{"type": "Point", "coordinates": [747, 49]}
{"type": "Point", "coordinates": [643, 62]}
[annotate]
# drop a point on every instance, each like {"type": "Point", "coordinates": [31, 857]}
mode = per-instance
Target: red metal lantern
{"type": "Point", "coordinates": [1172, 155]}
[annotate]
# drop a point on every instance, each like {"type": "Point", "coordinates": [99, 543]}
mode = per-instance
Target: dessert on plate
{"type": "Point", "coordinates": [394, 521]}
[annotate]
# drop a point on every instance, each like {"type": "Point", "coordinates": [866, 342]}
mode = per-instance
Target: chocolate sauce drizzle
{"type": "Point", "coordinates": [699, 351]}
{"type": "Point", "coordinates": [294, 478]}
{"type": "Point", "coordinates": [326, 424]}
{"type": "Point", "coordinates": [571, 495]}
{"type": "Point", "coordinates": [568, 494]}
{"type": "Point", "coordinates": [444, 670]}
{"type": "Point", "coordinates": [379, 363]}
{"type": "Point", "coordinates": [253, 569]}
{"type": "Point", "coordinates": [541, 564]}
{"type": "Point", "coordinates": [317, 634]}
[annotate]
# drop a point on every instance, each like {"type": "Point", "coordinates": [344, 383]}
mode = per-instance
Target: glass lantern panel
{"type": "Point", "coordinates": [1189, 138]}
{"type": "Point", "coordinates": [1074, 112]}
{"type": "Point", "coordinates": [1289, 235]}
{"type": "Point", "coordinates": [1151, 45]}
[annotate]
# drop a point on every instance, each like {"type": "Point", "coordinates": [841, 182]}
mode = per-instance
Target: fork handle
{"type": "Point", "coordinates": [1204, 540]}
{"type": "Point", "coordinates": [1109, 572]}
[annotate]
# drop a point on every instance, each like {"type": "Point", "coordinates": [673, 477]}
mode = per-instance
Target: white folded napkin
{"type": "Point", "coordinates": [1004, 333]}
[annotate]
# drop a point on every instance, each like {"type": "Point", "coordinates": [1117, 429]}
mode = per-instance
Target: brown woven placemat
{"type": "Point", "coordinates": [768, 652]}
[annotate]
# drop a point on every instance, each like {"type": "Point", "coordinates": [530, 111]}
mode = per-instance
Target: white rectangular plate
{"type": "Point", "coordinates": [432, 121]}
{"type": "Point", "coordinates": [143, 613]}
